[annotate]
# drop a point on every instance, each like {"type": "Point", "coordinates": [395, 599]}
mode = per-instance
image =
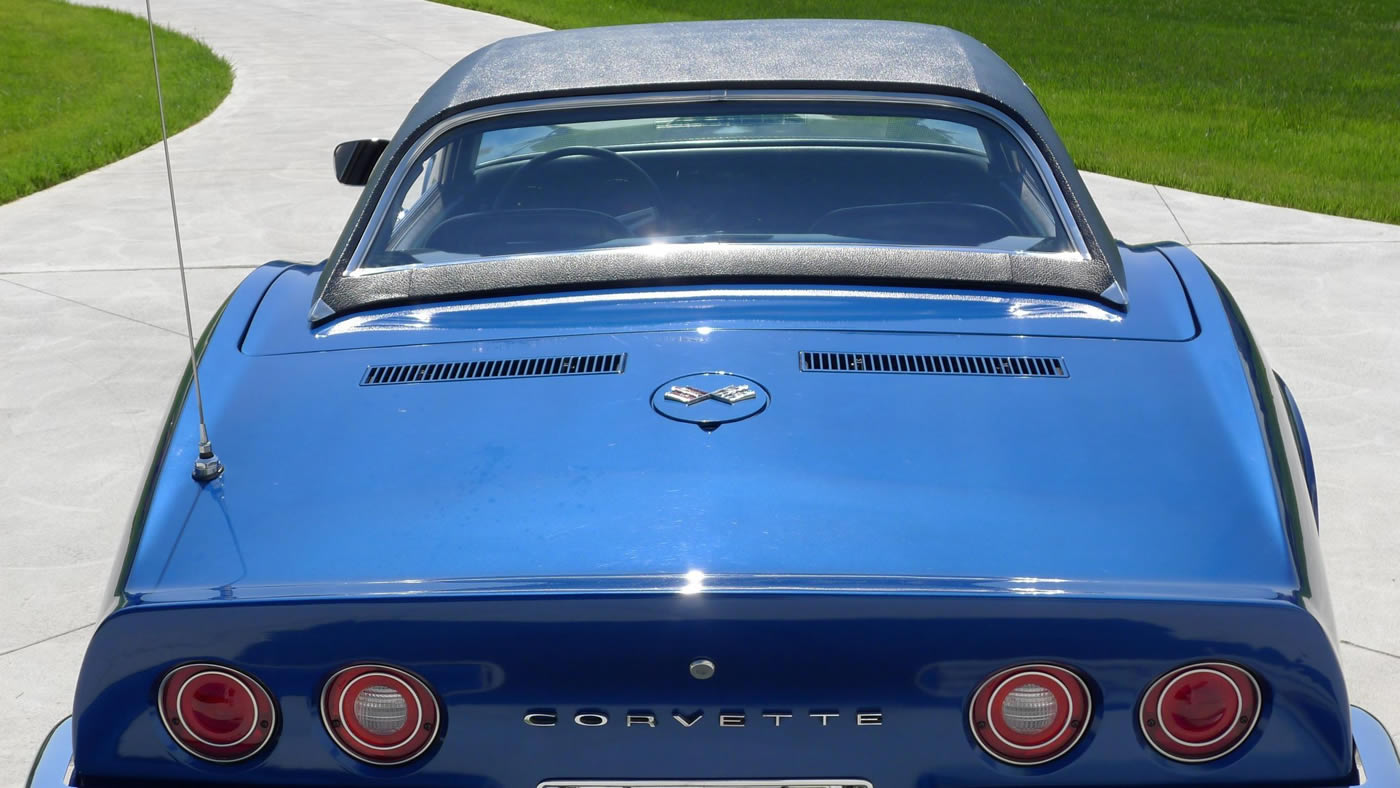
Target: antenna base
{"type": "Point", "coordinates": [207, 468]}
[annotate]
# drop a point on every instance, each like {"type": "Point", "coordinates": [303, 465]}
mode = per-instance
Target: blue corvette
{"type": "Point", "coordinates": [724, 404]}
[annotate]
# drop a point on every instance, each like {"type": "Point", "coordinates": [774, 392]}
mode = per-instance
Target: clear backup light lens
{"type": "Point", "coordinates": [382, 710]}
{"type": "Point", "coordinates": [380, 714]}
{"type": "Point", "coordinates": [1030, 714]}
{"type": "Point", "coordinates": [1200, 712]}
{"type": "Point", "coordinates": [216, 713]}
{"type": "Point", "coordinates": [1029, 708]}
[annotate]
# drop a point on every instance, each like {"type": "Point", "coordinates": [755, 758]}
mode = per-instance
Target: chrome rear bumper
{"type": "Point", "coordinates": [1377, 765]}
{"type": "Point", "coordinates": [55, 759]}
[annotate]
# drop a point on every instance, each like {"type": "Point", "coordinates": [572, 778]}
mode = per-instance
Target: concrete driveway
{"type": "Point", "coordinates": [90, 311]}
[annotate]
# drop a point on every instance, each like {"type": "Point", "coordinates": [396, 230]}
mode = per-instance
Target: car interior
{"type": "Point", "coordinates": [462, 205]}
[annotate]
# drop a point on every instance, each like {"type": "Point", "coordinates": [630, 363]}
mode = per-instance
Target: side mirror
{"type": "Point", "coordinates": [355, 159]}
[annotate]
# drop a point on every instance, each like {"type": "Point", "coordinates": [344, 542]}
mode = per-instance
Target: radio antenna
{"type": "Point", "coordinates": [207, 466]}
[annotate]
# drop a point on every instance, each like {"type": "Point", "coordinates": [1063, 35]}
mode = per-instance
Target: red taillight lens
{"type": "Point", "coordinates": [1030, 714]}
{"type": "Point", "coordinates": [1200, 712]}
{"type": "Point", "coordinates": [379, 714]}
{"type": "Point", "coordinates": [216, 713]}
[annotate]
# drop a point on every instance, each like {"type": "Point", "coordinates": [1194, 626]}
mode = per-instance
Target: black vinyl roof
{"type": "Point", "coordinates": [778, 54]}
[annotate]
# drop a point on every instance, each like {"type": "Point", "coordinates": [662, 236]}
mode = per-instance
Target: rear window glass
{"type": "Point", "coordinates": [528, 184]}
{"type": "Point", "coordinates": [529, 140]}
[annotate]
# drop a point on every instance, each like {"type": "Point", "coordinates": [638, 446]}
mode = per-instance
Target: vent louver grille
{"type": "Point", "coordinates": [1006, 366]}
{"type": "Point", "coordinates": [494, 370]}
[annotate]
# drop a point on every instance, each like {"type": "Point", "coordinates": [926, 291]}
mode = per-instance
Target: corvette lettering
{"type": "Point", "coordinates": [549, 718]}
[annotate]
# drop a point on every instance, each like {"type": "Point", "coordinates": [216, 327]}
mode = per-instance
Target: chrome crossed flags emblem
{"type": "Point", "coordinates": [729, 395]}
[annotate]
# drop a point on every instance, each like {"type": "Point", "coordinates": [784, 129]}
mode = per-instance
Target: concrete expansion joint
{"type": "Point", "coordinates": [1381, 652]}
{"type": "Point", "coordinates": [1168, 206]}
{"type": "Point", "coordinates": [76, 302]}
{"type": "Point", "coordinates": [41, 641]}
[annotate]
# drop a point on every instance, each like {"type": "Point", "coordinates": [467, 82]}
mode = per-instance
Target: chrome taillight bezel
{"type": "Point", "coordinates": [170, 692]}
{"type": "Point", "coordinates": [1250, 706]}
{"type": "Point", "coordinates": [1079, 712]}
{"type": "Point", "coordinates": [426, 726]}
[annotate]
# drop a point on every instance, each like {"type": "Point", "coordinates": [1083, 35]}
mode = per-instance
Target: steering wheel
{"type": "Point", "coordinates": [632, 220]}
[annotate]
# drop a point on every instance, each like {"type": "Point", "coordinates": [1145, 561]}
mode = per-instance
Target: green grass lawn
{"type": "Point", "coordinates": [1289, 102]}
{"type": "Point", "coordinates": [77, 90]}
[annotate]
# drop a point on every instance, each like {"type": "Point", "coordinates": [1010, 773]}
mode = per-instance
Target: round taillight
{"type": "Point", "coordinates": [1200, 712]}
{"type": "Point", "coordinates": [1030, 714]}
{"type": "Point", "coordinates": [216, 713]}
{"type": "Point", "coordinates": [380, 715]}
